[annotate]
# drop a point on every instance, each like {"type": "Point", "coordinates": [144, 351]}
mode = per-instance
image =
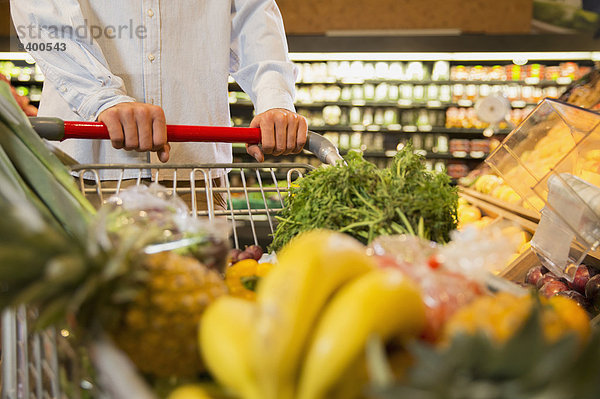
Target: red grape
{"type": "Point", "coordinates": [553, 287]}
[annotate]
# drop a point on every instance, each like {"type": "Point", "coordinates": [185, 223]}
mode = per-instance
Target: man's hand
{"type": "Point", "coordinates": [283, 132]}
{"type": "Point", "coordinates": [137, 126]}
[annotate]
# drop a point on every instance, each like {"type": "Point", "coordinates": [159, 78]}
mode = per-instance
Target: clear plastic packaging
{"type": "Point", "coordinates": [155, 221]}
{"type": "Point", "coordinates": [450, 276]}
{"type": "Point", "coordinates": [552, 160]}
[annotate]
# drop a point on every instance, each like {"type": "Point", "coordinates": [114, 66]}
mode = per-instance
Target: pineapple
{"type": "Point", "coordinates": [158, 329]}
{"type": "Point", "coordinates": [149, 304]}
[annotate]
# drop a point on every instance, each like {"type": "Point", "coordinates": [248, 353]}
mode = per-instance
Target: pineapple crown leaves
{"type": "Point", "coordinates": [525, 366]}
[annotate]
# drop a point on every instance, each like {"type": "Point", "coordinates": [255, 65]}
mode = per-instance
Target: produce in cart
{"type": "Point", "coordinates": [363, 201]}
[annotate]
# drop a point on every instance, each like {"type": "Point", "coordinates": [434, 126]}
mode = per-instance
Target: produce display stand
{"type": "Point", "coordinates": [499, 209]}
{"type": "Point", "coordinates": [511, 208]}
{"type": "Point", "coordinates": [41, 364]}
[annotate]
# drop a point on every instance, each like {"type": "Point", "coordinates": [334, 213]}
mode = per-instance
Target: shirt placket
{"type": "Point", "coordinates": [152, 52]}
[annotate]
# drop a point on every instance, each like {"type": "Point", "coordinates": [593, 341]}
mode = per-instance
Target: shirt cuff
{"type": "Point", "coordinates": [100, 101]}
{"type": "Point", "coordinates": [273, 98]}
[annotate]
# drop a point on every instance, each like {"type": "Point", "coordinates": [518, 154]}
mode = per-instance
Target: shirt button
{"type": "Point", "coordinates": [150, 13]}
{"type": "Point", "coordinates": [151, 57]}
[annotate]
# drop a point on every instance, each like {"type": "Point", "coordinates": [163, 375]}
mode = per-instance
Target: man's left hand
{"type": "Point", "coordinates": [283, 132]}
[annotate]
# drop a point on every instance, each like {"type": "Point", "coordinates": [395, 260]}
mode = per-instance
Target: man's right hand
{"type": "Point", "coordinates": [137, 126]}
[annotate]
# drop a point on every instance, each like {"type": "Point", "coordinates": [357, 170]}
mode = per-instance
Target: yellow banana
{"type": "Point", "coordinates": [225, 334]}
{"type": "Point", "coordinates": [310, 268]}
{"type": "Point", "coordinates": [382, 302]}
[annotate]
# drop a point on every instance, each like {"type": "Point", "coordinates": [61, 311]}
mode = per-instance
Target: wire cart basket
{"type": "Point", "coordinates": [45, 364]}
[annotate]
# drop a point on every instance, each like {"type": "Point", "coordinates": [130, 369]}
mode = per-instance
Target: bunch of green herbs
{"type": "Point", "coordinates": [361, 200]}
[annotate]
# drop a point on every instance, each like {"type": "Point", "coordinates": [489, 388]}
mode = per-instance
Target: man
{"type": "Point", "coordinates": [137, 64]}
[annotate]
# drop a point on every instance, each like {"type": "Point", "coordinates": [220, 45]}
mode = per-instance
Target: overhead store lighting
{"type": "Point", "coordinates": [474, 56]}
{"type": "Point", "coordinates": [16, 56]}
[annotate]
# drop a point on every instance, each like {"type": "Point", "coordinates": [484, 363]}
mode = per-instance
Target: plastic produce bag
{"type": "Point", "coordinates": [449, 276]}
{"type": "Point", "coordinates": [157, 222]}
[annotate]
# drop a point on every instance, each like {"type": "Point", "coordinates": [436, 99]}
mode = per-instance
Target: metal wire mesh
{"type": "Point", "coordinates": [252, 194]}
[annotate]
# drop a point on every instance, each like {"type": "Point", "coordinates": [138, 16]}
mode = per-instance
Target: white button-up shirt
{"type": "Point", "coordinates": [177, 54]}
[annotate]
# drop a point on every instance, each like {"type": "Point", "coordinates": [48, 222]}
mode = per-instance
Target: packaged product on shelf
{"type": "Point", "coordinates": [433, 92]}
{"type": "Point", "coordinates": [535, 71]}
{"type": "Point", "coordinates": [439, 166]}
{"type": "Point", "coordinates": [332, 114]}
{"type": "Point", "coordinates": [355, 116]}
{"type": "Point", "coordinates": [442, 144]}
{"type": "Point", "coordinates": [423, 122]}
{"type": "Point", "coordinates": [429, 142]}
{"type": "Point", "coordinates": [513, 92]}
{"type": "Point", "coordinates": [390, 116]}
{"type": "Point", "coordinates": [356, 70]}
{"type": "Point", "coordinates": [368, 71]}
{"type": "Point", "coordinates": [397, 71]}
{"type": "Point", "coordinates": [441, 70]}
{"type": "Point", "coordinates": [393, 92]}
{"type": "Point", "coordinates": [408, 117]}
{"type": "Point", "coordinates": [552, 73]}
{"type": "Point", "coordinates": [480, 145]}
{"type": "Point", "coordinates": [302, 95]}
{"type": "Point", "coordinates": [356, 141]}
{"type": "Point", "coordinates": [484, 91]}
{"type": "Point", "coordinates": [514, 72]}
{"type": "Point", "coordinates": [569, 70]}
{"type": "Point", "coordinates": [346, 94]}
{"type": "Point", "coordinates": [418, 93]}
{"type": "Point", "coordinates": [378, 117]}
{"type": "Point", "coordinates": [471, 92]}
{"type": "Point", "coordinates": [497, 73]}
{"type": "Point", "coordinates": [415, 70]}
{"type": "Point", "coordinates": [358, 92]}
{"type": "Point", "coordinates": [406, 92]}
{"type": "Point", "coordinates": [456, 170]}
{"type": "Point", "coordinates": [459, 146]}
{"type": "Point", "coordinates": [382, 70]}
{"type": "Point", "coordinates": [458, 92]}
{"type": "Point", "coordinates": [334, 93]}
{"type": "Point", "coordinates": [369, 92]}
{"type": "Point", "coordinates": [381, 92]}
{"type": "Point", "coordinates": [445, 93]}
{"type": "Point", "coordinates": [367, 117]}
{"type": "Point", "coordinates": [458, 72]}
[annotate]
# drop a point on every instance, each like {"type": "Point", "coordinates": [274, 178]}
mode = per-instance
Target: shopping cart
{"type": "Point", "coordinates": [45, 364]}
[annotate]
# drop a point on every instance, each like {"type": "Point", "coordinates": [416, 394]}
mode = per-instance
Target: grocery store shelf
{"type": "Point", "coordinates": [17, 82]}
{"type": "Point", "coordinates": [528, 82]}
{"type": "Point", "coordinates": [407, 104]}
{"type": "Point", "coordinates": [468, 133]}
{"type": "Point", "coordinates": [354, 82]}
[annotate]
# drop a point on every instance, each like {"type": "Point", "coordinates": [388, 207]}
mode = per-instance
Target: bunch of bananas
{"type": "Point", "coordinates": [312, 317]}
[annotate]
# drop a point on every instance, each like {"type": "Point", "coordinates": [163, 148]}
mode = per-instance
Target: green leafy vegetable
{"type": "Point", "coordinates": [365, 202]}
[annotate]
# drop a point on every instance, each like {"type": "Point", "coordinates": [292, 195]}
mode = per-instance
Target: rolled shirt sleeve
{"type": "Point", "coordinates": [259, 55]}
{"type": "Point", "coordinates": [81, 72]}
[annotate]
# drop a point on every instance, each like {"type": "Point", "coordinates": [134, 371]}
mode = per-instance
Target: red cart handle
{"type": "Point", "coordinates": [58, 130]}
